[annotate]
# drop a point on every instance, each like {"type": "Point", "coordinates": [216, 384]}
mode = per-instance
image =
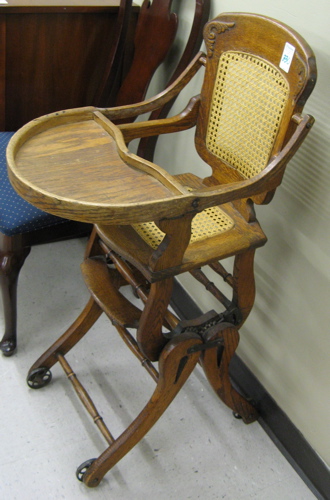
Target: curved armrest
{"type": "Point", "coordinates": [183, 121]}
{"type": "Point", "coordinates": [133, 110]}
{"type": "Point", "coordinates": [269, 179]}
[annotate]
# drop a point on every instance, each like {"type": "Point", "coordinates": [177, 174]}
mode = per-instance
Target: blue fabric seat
{"type": "Point", "coordinates": [17, 216]}
{"type": "Point", "coordinates": [22, 226]}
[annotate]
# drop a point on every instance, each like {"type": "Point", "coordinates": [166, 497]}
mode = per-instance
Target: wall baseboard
{"type": "Point", "coordinates": [288, 439]}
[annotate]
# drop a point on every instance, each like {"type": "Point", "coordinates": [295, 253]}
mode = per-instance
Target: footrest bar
{"type": "Point", "coordinates": [85, 399]}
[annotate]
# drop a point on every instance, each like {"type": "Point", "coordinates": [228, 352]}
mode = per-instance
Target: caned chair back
{"type": "Point", "coordinates": [257, 76]}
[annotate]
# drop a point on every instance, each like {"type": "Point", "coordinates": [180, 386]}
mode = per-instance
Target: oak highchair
{"type": "Point", "coordinates": [150, 226]}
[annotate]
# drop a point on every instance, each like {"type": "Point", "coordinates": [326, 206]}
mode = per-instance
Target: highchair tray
{"type": "Point", "coordinates": [75, 164]}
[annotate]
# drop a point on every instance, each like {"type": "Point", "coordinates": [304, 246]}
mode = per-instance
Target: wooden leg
{"type": "Point", "coordinates": [93, 247]}
{"type": "Point", "coordinates": [244, 288]}
{"type": "Point", "coordinates": [12, 257]}
{"type": "Point", "coordinates": [149, 335]}
{"type": "Point", "coordinates": [69, 339]}
{"type": "Point", "coordinates": [215, 363]}
{"type": "Point", "coordinates": [175, 366]}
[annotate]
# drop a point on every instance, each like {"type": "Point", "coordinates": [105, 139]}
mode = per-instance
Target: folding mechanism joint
{"type": "Point", "coordinates": [207, 345]}
{"type": "Point", "coordinates": [205, 322]}
{"type": "Point", "coordinates": [232, 315]}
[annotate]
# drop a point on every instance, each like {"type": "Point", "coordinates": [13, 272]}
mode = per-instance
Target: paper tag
{"type": "Point", "coordinates": [287, 57]}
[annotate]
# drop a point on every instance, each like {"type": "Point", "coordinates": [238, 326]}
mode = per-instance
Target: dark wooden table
{"type": "Point", "coordinates": [52, 54]}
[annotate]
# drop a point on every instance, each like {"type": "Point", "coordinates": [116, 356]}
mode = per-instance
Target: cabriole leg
{"type": "Point", "coordinates": [12, 257]}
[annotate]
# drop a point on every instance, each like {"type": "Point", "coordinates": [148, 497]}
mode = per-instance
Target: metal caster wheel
{"type": "Point", "coordinates": [82, 469]}
{"type": "Point", "coordinates": [39, 377]}
{"type": "Point", "coordinates": [237, 415]}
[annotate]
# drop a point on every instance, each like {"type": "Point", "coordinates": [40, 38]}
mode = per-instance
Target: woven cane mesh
{"type": "Point", "coordinates": [210, 222]}
{"type": "Point", "coordinates": [248, 103]}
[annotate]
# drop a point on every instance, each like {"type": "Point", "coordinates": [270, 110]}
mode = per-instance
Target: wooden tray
{"type": "Point", "coordinates": [75, 164]}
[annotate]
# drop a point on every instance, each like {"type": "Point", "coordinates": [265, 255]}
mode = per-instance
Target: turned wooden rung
{"type": "Point", "coordinates": [222, 271]}
{"type": "Point", "coordinates": [133, 345]}
{"type": "Point", "coordinates": [210, 287]}
{"type": "Point", "coordinates": [85, 399]}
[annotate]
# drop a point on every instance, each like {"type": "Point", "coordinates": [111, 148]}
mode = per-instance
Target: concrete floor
{"type": "Point", "coordinates": [196, 450]}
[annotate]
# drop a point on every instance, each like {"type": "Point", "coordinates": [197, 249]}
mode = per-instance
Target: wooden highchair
{"type": "Point", "coordinates": [150, 226]}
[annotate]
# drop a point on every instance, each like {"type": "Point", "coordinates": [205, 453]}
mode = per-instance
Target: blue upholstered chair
{"type": "Point", "coordinates": [21, 226]}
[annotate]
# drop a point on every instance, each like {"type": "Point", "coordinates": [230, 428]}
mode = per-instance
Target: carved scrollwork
{"type": "Point", "coordinates": [212, 30]}
{"type": "Point", "coordinates": [301, 73]}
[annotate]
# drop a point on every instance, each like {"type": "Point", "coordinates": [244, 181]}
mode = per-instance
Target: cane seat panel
{"type": "Point", "coordinates": [211, 222]}
{"type": "Point", "coordinates": [236, 238]}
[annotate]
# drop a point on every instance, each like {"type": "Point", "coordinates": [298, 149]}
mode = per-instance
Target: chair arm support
{"type": "Point", "coordinates": [133, 110]}
{"type": "Point", "coordinates": [267, 180]}
{"type": "Point", "coordinates": [183, 121]}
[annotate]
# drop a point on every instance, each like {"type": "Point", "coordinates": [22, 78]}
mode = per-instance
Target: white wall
{"type": "Point", "coordinates": [286, 340]}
